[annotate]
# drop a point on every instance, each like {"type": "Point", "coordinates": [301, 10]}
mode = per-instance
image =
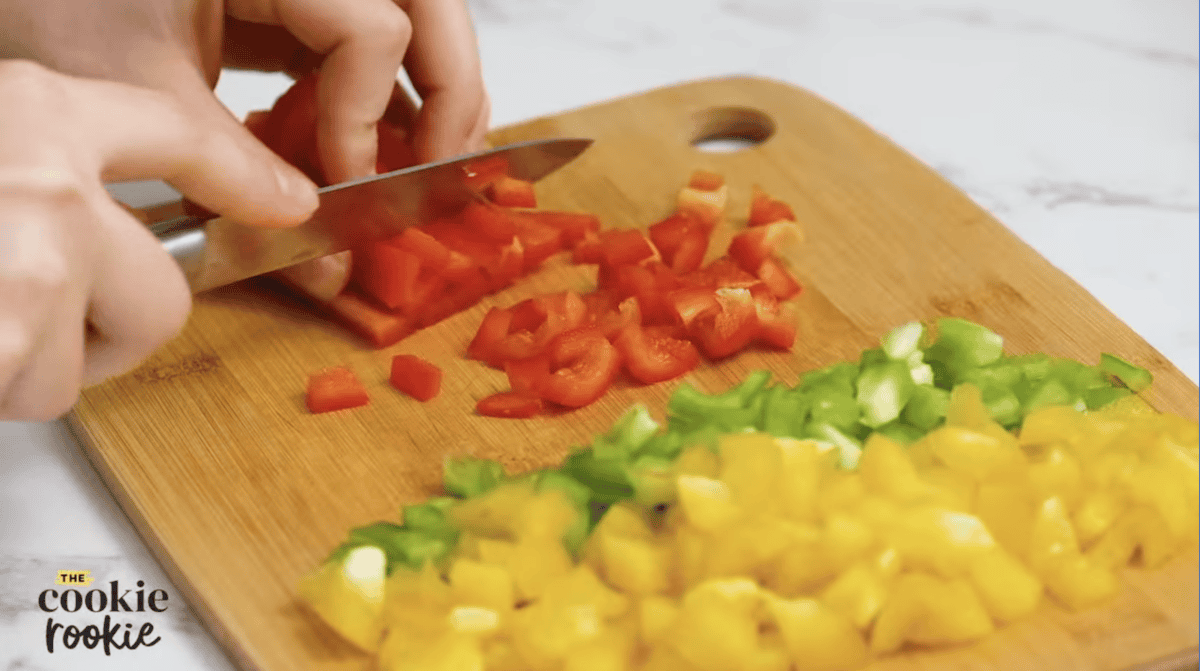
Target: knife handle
{"type": "Point", "coordinates": [184, 238]}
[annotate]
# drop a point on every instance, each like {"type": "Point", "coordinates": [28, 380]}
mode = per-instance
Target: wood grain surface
{"type": "Point", "coordinates": [239, 490]}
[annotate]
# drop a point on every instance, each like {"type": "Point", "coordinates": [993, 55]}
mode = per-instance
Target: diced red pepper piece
{"type": "Point", "coordinates": [777, 331]}
{"type": "Point", "coordinates": [614, 319]}
{"type": "Point", "coordinates": [781, 283]}
{"type": "Point", "coordinates": [625, 247]}
{"type": "Point", "coordinates": [509, 404]}
{"type": "Point", "coordinates": [584, 364]}
{"type": "Point", "coordinates": [650, 359]}
{"type": "Point", "coordinates": [574, 225]}
{"type": "Point", "coordinates": [705, 180]}
{"type": "Point", "coordinates": [527, 376]}
{"type": "Point", "coordinates": [335, 389]}
{"type": "Point", "coordinates": [508, 191]}
{"type": "Point", "coordinates": [540, 241]}
{"type": "Point", "coordinates": [507, 267]}
{"type": "Point", "coordinates": [728, 329]}
{"type": "Point", "coordinates": [454, 297]}
{"type": "Point", "coordinates": [766, 210]}
{"type": "Point", "coordinates": [722, 272]}
{"type": "Point", "coordinates": [292, 124]}
{"type": "Point", "coordinates": [492, 329]}
{"type": "Point", "coordinates": [484, 171]}
{"type": "Point", "coordinates": [528, 315]}
{"type": "Point", "coordinates": [386, 273]}
{"type": "Point", "coordinates": [707, 206]}
{"type": "Point", "coordinates": [754, 245]}
{"type": "Point", "coordinates": [590, 249]}
{"type": "Point", "coordinates": [433, 254]}
{"type": "Point", "coordinates": [492, 222]}
{"type": "Point", "coordinates": [688, 302]}
{"type": "Point", "coordinates": [517, 345]}
{"type": "Point", "coordinates": [381, 329]}
{"type": "Point", "coordinates": [690, 254]}
{"type": "Point", "coordinates": [462, 239]}
{"type": "Point", "coordinates": [416, 377]}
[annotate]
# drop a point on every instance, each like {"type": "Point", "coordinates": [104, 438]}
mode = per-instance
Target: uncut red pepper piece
{"type": "Point", "coordinates": [509, 404]}
{"type": "Point", "coordinates": [416, 377]}
{"type": "Point", "coordinates": [335, 389]}
{"type": "Point", "coordinates": [378, 327]}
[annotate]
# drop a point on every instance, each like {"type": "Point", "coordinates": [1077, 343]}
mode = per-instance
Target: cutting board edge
{"type": "Point", "coordinates": [195, 600]}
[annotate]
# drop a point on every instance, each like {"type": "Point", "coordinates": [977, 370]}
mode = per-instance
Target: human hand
{"type": "Point", "coordinates": [86, 291]}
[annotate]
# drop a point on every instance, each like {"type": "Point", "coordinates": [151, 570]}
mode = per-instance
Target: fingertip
{"type": "Point", "coordinates": [299, 194]}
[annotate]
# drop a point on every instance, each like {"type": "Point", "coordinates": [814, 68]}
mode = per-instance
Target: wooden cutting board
{"type": "Point", "coordinates": [239, 490]}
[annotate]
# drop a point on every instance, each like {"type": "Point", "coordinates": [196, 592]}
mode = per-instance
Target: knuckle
{"type": "Point", "coordinates": [390, 28]}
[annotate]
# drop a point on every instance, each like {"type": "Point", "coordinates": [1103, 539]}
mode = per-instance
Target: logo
{"type": "Point", "coordinates": [69, 625]}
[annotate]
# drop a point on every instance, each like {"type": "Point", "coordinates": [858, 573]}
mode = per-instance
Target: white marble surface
{"type": "Point", "coordinates": [1073, 121]}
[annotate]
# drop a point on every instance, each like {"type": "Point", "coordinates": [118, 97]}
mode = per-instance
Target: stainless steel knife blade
{"type": "Point", "coordinates": [215, 252]}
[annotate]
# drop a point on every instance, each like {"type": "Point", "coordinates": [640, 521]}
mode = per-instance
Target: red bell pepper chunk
{"type": "Point", "coordinates": [416, 377]}
{"type": "Point", "coordinates": [508, 191]}
{"type": "Point", "coordinates": [433, 254]}
{"type": "Point", "coordinates": [705, 180]}
{"type": "Point", "coordinates": [492, 329]}
{"type": "Point", "coordinates": [722, 272]}
{"type": "Point", "coordinates": [754, 245]}
{"type": "Point", "coordinates": [777, 331]}
{"type": "Point", "coordinates": [517, 345]}
{"type": "Point", "coordinates": [688, 302]}
{"type": "Point", "coordinates": [627, 313]}
{"type": "Point", "coordinates": [584, 364]}
{"type": "Point", "coordinates": [508, 265]}
{"type": "Point", "coordinates": [766, 210]}
{"type": "Point", "coordinates": [381, 329]}
{"type": "Point", "coordinates": [650, 359]}
{"type": "Point", "coordinates": [484, 171]}
{"type": "Point", "coordinates": [335, 389]}
{"type": "Point", "coordinates": [573, 225]}
{"type": "Point", "coordinates": [527, 376]}
{"type": "Point", "coordinates": [690, 254]}
{"type": "Point", "coordinates": [728, 329]}
{"type": "Point", "coordinates": [385, 272]}
{"type": "Point", "coordinates": [540, 241]}
{"type": "Point", "coordinates": [492, 222]}
{"type": "Point", "coordinates": [509, 404]}
{"type": "Point", "coordinates": [590, 249]}
{"type": "Point", "coordinates": [781, 283]}
{"type": "Point", "coordinates": [292, 124]}
{"type": "Point", "coordinates": [625, 247]}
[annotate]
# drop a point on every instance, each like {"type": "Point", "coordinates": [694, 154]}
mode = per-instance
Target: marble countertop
{"type": "Point", "coordinates": [1073, 121]}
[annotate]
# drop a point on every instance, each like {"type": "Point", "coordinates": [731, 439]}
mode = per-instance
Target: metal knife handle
{"type": "Point", "coordinates": [185, 239]}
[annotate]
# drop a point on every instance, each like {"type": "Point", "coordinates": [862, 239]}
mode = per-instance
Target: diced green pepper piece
{"type": "Point", "coordinates": [1050, 392]}
{"type": "Point", "coordinates": [430, 517]}
{"type": "Point", "coordinates": [870, 358]}
{"type": "Point", "coordinates": [1134, 377]}
{"type": "Point", "coordinates": [652, 480]}
{"type": "Point", "coordinates": [690, 403]}
{"type": "Point", "coordinates": [665, 445]}
{"type": "Point", "coordinates": [903, 341]}
{"type": "Point", "coordinates": [883, 391]}
{"type": "Point", "coordinates": [628, 434]}
{"type": "Point", "coordinates": [1002, 404]}
{"type": "Point", "coordinates": [469, 477]}
{"type": "Point", "coordinates": [962, 345]}
{"type": "Point", "coordinates": [901, 432]}
{"type": "Point", "coordinates": [830, 405]}
{"type": "Point", "coordinates": [784, 412]}
{"type": "Point", "coordinates": [927, 407]}
{"type": "Point", "coordinates": [1033, 367]}
{"type": "Point", "coordinates": [604, 477]}
{"type": "Point", "coordinates": [1098, 398]}
{"type": "Point", "coordinates": [401, 546]}
{"type": "Point", "coordinates": [848, 449]}
{"type": "Point", "coordinates": [839, 376]}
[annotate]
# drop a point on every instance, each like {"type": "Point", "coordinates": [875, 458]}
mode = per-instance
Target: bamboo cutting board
{"type": "Point", "coordinates": [239, 490]}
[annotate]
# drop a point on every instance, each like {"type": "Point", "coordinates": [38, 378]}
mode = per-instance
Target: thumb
{"type": "Point", "coordinates": [188, 139]}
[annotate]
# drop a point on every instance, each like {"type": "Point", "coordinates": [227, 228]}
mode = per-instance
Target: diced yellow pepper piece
{"type": "Point", "coordinates": [1007, 589]}
{"type": "Point", "coordinates": [656, 615]}
{"type": "Point", "coordinates": [1053, 537]}
{"type": "Point", "coordinates": [707, 503]}
{"type": "Point", "coordinates": [858, 594]}
{"type": "Point", "coordinates": [635, 566]}
{"type": "Point", "coordinates": [349, 595]}
{"type": "Point", "coordinates": [976, 455]}
{"type": "Point", "coordinates": [478, 584]}
{"type": "Point", "coordinates": [750, 467]}
{"type": "Point", "coordinates": [817, 637]}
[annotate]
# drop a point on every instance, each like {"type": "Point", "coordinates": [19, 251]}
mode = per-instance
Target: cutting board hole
{"type": "Point", "coordinates": [728, 129]}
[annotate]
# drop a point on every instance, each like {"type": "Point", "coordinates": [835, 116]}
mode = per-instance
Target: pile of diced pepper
{"type": "Point", "coordinates": [923, 495]}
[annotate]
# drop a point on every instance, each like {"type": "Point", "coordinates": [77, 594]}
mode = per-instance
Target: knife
{"type": "Point", "coordinates": [214, 252]}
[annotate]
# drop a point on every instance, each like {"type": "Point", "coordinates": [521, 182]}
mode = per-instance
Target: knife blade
{"type": "Point", "coordinates": [214, 252]}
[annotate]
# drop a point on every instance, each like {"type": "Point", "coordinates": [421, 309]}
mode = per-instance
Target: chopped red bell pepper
{"type": "Point", "coordinates": [766, 210]}
{"type": "Point", "coordinates": [416, 377]}
{"type": "Point", "coordinates": [509, 404]}
{"type": "Point", "coordinates": [574, 225]}
{"type": "Point", "coordinates": [705, 180]}
{"type": "Point", "coordinates": [484, 171]}
{"type": "Point", "coordinates": [492, 329]}
{"type": "Point", "coordinates": [653, 358]}
{"type": "Point", "coordinates": [527, 376]}
{"type": "Point", "coordinates": [433, 254]}
{"type": "Point", "coordinates": [540, 241]}
{"type": "Point", "coordinates": [754, 245]}
{"type": "Point", "coordinates": [728, 329]}
{"type": "Point", "coordinates": [625, 247]}
{"type": "Point", "coordinates": [335, 389]}
{"type": "Point", "coordinates": [511, 192]}
{"type": "Point", "coordinates": [584, 364]}
{"type": "Point", "coordinates": [492, 222]}
{"type": "Point", "coordinates": [781, 283]}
